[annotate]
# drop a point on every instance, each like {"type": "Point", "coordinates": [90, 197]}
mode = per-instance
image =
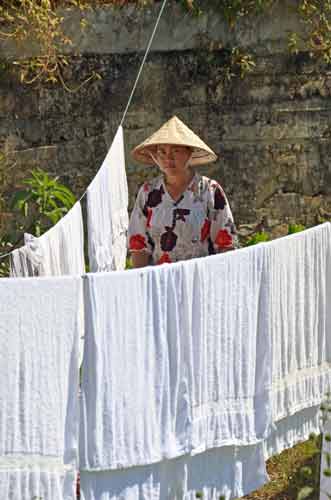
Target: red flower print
{"type": "Point", "coordinates": [223, 239]}
{"type": "Point", "coordinates": [146, 187]}
{"type": "Point", "coordinates": [149, 216]}
{"type": "Point", "coordinates": [137, 242]}
{"type": "Point", "coordinates": [164, 259]}
{"type": "Point", "coordinates": [205, 230]}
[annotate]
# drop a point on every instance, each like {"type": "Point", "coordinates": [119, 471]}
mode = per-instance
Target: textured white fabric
{"type": "Point", "coordinates": [39, 335]}
{"type": "Point", "coordinates": [300, 275]}
{"type": "Point", "coordinates": [232, 472]}
{"type": "Point", "coordinates": [293, 430]}
{"type": "Point", "coordinates": [37, 484]}
{"type": "Point", "coordinates": [57, 252]}
{"type": "Point", "coordinates": [173, 362]}
{"type": "Point", "coordinates": [107, 211]}
{"type": "Point", "coordinates": [325, 481]}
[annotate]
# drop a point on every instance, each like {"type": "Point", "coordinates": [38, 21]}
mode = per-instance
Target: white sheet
{"type": "Point", "coordinates": [173, 361]}
{"type": "Point", "coordinates": [300, 327]}
{"type": "Point", "coordinates": [229, 471]}
{"type": "Point", "coordinates": [39, 336]}
{"type": "Point", "coordinates": [57, 252]}
{"type": "Point", "coordinates": [107, 211]}
{"type": "Point", "coordinates": [325, 478]}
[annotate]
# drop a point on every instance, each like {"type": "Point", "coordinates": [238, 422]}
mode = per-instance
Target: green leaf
{"type": "Point", "coordinates": [305, 493]}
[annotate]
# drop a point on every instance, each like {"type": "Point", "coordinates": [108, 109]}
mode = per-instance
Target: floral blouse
{"type": "Point", "coordinates": [199, 223]}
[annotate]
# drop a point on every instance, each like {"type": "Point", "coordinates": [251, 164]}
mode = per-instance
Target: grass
{"type": "Point", "coordinates": [294, 474]}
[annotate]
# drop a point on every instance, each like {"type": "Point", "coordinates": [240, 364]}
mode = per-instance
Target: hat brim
{"type": "Point", "coordinates": [199, 156]}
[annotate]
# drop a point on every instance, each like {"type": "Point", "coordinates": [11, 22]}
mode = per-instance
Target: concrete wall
{"type": "Point", "coordinates": [271, 129]}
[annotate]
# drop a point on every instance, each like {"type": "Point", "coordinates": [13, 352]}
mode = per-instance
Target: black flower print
{"type": "Point", "coordinates": [155, 197]}
{"type": "Point", "coordinates": [168, 240]}
{"type": "Point", "coordinates": [219, 199]}
{"type": "Point", "coordinates": [180, 213]}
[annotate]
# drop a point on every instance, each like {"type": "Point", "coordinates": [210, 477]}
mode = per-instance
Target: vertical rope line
{"type": "Point", "coordinates": [143, 61]}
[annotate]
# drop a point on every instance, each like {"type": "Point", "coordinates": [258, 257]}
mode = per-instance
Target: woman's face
{"type": "Point", "coordinates": [173, 159]}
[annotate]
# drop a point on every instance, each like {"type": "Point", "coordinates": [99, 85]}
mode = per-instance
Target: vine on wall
{"type": "Point", "coordinates": [41, 22]}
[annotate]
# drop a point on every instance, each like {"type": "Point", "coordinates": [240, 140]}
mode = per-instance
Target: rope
{"type": "Point", "coordinates": [132, 92]}
{"type": "Point", "coordinates": [3, 256]}
{"type": "Point", "coordinates": [143, 61]}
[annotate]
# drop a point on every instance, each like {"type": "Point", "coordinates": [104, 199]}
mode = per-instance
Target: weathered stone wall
{"type": "Point", "coordinates": [271, 129]}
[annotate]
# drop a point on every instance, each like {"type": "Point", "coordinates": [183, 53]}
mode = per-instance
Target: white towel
{"type": "Point", "coordinates": [325, 478]}
{"type": "Point", "coordinates": [57, 252]}
{"type": "Point", "coordinates": [39, 335]}
{"type": "Point", "coordinates": [300, 327]}
{"type": "Point", "coordinates": [173, 362]}
{"type": "Point", "coordinates": [107, 211]}
{"type": "Point", "coordinates": [292, 430]}
{"type": "Point", "coordinates": [228, 471]}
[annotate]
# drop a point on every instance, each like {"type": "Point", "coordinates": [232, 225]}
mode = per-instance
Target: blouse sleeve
{"type": "Point", "coordinates": [138, 237]}
{"type": "Point", "coordinates": [222, 231]}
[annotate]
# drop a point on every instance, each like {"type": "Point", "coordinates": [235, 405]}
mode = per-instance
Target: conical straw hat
{"type": "Point", "coordinates": [174, 132]}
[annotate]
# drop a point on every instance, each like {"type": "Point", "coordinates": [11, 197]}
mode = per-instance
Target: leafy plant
{"type": "Point", "coordinates": [316, 17]}
{"type": "Point", "coordinates": [295, 228]}
{"type": "Point", "coordinates": [39, 21]}
{"type": "Point", "coordinates": [256, 238]}
{"type": "Point", "coordinates": [44, 201]}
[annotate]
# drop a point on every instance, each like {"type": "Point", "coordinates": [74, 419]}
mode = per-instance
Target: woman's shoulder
{"type": "Point", "coordinates": [152, 184]}
{"type": "Point", "coordinates": [208, 185]}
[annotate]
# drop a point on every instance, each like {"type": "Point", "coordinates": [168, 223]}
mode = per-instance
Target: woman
{"type": "Point", "coordinates": [180, 214]}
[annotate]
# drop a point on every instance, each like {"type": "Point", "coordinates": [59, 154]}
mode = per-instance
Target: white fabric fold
{"type": "Point", "coordinates": [107, 211]}
{"type": "Point", "coordinates": [300, 328]}
{"type": "Point", "coordinates": [183, 370]}
{"type": "Point", "coordinates": [292, 430]}
{"type": "Point", "coordinates": [39, 345]}
{"type": "Point", "coordinates": [228, 471]}
{"type": "Point", "coordinates": [59, 251]}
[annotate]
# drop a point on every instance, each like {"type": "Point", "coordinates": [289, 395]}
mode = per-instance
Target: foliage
{"type": "Point", "coordinates": [316, 16]}
{"type": "Point", "coordinates": [39, 21]}
{"type": "Point", "coordinates": [259, 237]}
{"type": "Point", "coordinates": [43, 202]}
{"type": "Point", "coordinates": [295, 228]}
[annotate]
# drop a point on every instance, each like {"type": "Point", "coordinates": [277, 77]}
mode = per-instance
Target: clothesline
{"type": "Point", "coordinates": [3, 256]}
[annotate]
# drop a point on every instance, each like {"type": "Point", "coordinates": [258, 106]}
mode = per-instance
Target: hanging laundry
{"type": "Point", "coordinates": [228, 471]}
{"type": "Point", "coordinates": [39, 344]}
{"type": "Point", "coordinates": [57, 252]}
{"type": "Point", "coordinates": [107, 211]}
{"type": "Point", "coordinates": [325, 473]}
{"type": "Point", "coordinates": [300, 325]}
{"type": "Point", "coordinates": [292, 430]}
{"type": "Point", "coordinates": [185, 371]}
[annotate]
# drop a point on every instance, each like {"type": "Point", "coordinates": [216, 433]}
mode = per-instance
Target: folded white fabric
{"type": "Point", "coordinates": [229, 472]}
{"type": "Point", "coordinates": [325, 476]}
{"type": "Point", "coordinates": [174, 362]}
{"type": "Point", "coordinates": [39, 335]}
{"type": "Point", "coordinates": [57, 252]}
{"type": "Point", "coordinates": [292, 430]}
{"type": "Point", "coordinates": [300, 327]}
{"type": "Point", "coordinates": [107, 211]}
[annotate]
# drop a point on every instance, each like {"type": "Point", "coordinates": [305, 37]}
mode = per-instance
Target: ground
{"type": "Point", "coordinates": [293, 471]}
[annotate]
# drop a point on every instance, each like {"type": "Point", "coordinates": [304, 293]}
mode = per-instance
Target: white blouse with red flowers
{"type": "Point", "coordinates": [199, 223]}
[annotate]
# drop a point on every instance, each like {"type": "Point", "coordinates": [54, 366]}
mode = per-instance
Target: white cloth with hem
{"type": "Point", "coordinates": [59, 251]}
{"type": "Point", "coordinates": [182, 368]}
{"type": "Point", "coordinates": [39, 345]}
{"type": "Point", "coordinates": [228, 471]}
{"type": "Point", "coordinates": [300, 327]}
{"type": "Point", "coordinates": [107, 211]}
